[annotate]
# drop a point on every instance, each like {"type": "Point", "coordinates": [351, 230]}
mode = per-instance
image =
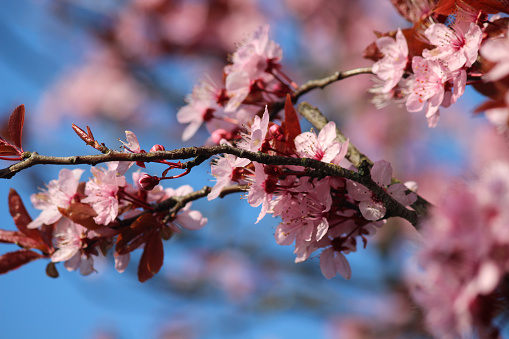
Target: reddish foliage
{"type": "Point", "coordinates": [16, 122]}
{"type": "Point", "coordinates": [12, 260]}
{"type": "Point", "coordinates": [447, 7]}
{"type": "Point", "coordinates": [82, 214]}
{"type": "Point", "coordinates": [152, 258]}
{"type": "Point", "coordinates": [291, 125]}
{"type": "Point", "coordinates": [132, 237]}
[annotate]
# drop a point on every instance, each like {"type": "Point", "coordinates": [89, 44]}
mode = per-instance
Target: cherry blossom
{"type": "Point", "coordinates": [392, 66]}
{"type": "Point", "coordinates": [59, 193]}
{"type": "Point", "coordinates": [371, 206]}
{"type": "Point", "coordinates": [186, 218]}
{"type": "Point", "coordinates": [324, 147]}
{"type": "Point", "coordinates": [427, 88]}
{"type": "Point", "coordinates": [497, 51]}
{"type": "Point", "coordinates": [102, 192]}
{"type": "Point", "coordinates": [70, 243]}
{"type": "Point", "coordinates": [226, 169]}
{"type": "Point", "coordinates": [455, 48]}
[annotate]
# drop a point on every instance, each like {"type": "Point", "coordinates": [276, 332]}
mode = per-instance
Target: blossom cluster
{"type": "Point", "coordinates": [428, 66]}
{"type": "Point", "coordinates": [327, 214]}
{"type": "Point", "coordinates": [88, 218]}
{"type": "Point", "coordinates": [464, 257]}
{"type": "Point", "coordinates": [253, 79]}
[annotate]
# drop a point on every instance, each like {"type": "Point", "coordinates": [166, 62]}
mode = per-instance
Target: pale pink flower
{"type": "Point", "coordinates": [427, 86]}
{"type": "Point", "coordinates": [131, 146]}
{"type": "Point", "coordinates": [59, 193]}
{"type": "Point", "coordinates": [257, 133]}
{"type": "Point", "coordinates": [324, 147]}
{"type": "Point", "coordinates": [392, 66]}
{"type": "Point", "coordinates": [226, 170]}
{"type": "Point", "coordinates": [497, 51]}
{"type": "Point", "coordinates": [102, 191]}
{"type": "Point", "coordinates": [261, 190]}
{"type": "Point", "coordinates": [455, 48]}
{"type": "Point", "coordinates": [204, 106]}
{"type": "Point", "coordinates": [371, 206]}
{"type": "Point", "coordinates": [252, 61]}
{"type": "Point", "coordinates": [69, 243]}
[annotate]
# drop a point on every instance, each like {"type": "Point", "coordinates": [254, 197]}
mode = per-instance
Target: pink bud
{"type": "Point", "coordinates": [156, 148]}
{"type": "Point", "coordinates": [277, 132]}
{"type": "Point", "coordinates": [148, 182]}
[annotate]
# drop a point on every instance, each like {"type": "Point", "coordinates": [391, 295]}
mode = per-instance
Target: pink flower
{"type": "Point", "coordinates": [261, 190]}
{"type": "Point", "coordinates": [454, 47]}
{"type": "Point", "coordinates": [102, 191]}
{"type": "Point", "coordinates": [226, 169]}
{"type": "Point", "coordinates": [69, 243]}
{"type": "Point", "coordinates": [204, 105]}
{"type": "Point", "coordinates": [428, 85]}
{"type": "Point", "coordinates": [497, 51]}
{"type": "Point", "coordinates": [257, 133]}
{"type": "Point", "coordinates": [59, 193]}
{"type": "Point", "coordinates": [324, 147]}
{"type": "Point", "coordinates": [392, 66]}
{"type": "Point", "coordinates": [371, 206]}
{"type": "Point", "coordinates": [252, 61]}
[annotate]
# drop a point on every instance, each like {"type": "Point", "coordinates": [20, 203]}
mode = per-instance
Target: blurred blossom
{"type": "Point", "coordinates": [100, 87]}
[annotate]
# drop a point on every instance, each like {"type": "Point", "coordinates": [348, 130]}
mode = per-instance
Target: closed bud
{"type": "Point", "coordinates": [148, 182]}
{"type": "Point", "coordinates": [157, 148]}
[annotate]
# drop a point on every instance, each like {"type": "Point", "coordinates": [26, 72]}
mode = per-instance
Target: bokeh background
{"type": "Point", "coordinates": [128, 65]}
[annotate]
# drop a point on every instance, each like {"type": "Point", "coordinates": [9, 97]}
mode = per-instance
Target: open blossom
{"type": "Point", "coordinates": [455, 48]}
{"type": "Point", "coordinates": [427, 88]}
{"type": "Point", "coordinates": [204, 106]}
{"type": "Point", "coordinates": [252, 61]}
{"type": "Point", "coordinates": [257, 132]}
{"type": "Point", "coordinates": [497, 51]}
{"type": "Point", "coordinates": [392, 66]}
{"type": "Point", "coordinates": [324, 147]}
{"type": "Point", "coordinates": [102, 191]}
{"type": "Point", "coordinates": [69, 243]}
{"type": "Point", "coordinates": [59, 193]}
{"type": "Point", "coordinates": [371, 206]}
{"type": "Point", "coordinates": [464, 256]}
{"type": "Point", "coordinates": [227, 170]}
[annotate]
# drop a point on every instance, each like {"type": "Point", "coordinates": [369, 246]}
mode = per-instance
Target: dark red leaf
{"type": "Point", "coordinates": [447, 7]}
{"type": "Point", "coordinates": [411, 10]}
{"type": "Point", "coordinates": [19, 214]}
{"type": "Point", "coordinates": [145, 222]}
{"type": "Point", "coordinates": [12, 260]}
{"type": "Point", "coordinates": [8, 150]}
{"type": "Point", "coordinates": [82, 214]}
{"type": "Point", "coordinates": [152, 258]}
{"type": "Point", "coordinates": [290, 125]}
{"type": "Point", "coordinates": [16, 122]}
{"type": "Point", "coordinates": [18, 238]}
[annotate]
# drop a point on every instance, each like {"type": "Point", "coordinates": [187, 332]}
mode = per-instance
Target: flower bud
{"type": "Point", "coordinates": [156, 148]}
{"type": "Point", "coordinates": [148, 182]}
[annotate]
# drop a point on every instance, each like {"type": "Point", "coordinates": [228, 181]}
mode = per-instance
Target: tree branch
{"type": "Point", "coordinates": [314, 168]}
{"type": "Point", "coordinates": [318, 83]}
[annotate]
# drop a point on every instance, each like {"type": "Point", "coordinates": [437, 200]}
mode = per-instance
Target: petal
{"type": "Point", "coordinates": [381, 173]}
{"type": "Point", "coordinates": [372, 210]}
{"type": "Point", "coordinates": [327, 264]}
{"type": "Point", "coordinates": [191, 220]}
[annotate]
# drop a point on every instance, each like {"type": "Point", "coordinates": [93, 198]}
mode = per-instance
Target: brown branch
{"type": "Point", "coordinates": [314, 168]}
{"type": "Point", "coordinates": [318, 83]}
